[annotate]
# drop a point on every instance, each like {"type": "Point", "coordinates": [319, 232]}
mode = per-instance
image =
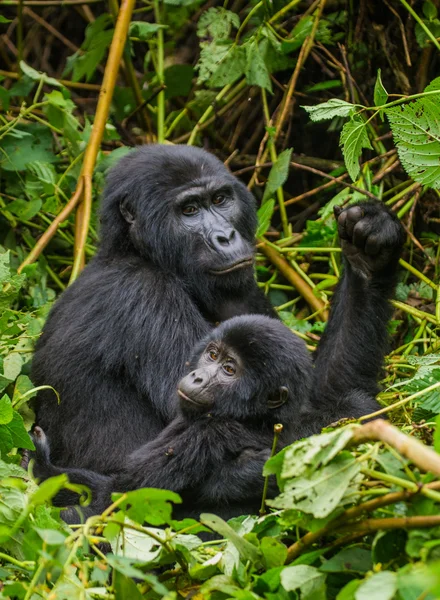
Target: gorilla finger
{"type": "Point", "coordinates": [354, 215]}
{"type": "Point", "coordinates": [341, 226]}
{"type": "Point", "coordinates": [337, 211]}
{"type": "Point", "coordinates": [361, 231]}
{"type": "Point", "coordinates": [373, 245]}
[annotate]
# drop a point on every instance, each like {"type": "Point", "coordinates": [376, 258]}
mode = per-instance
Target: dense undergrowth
{"type": "Point", "coordinates": [359, 512]}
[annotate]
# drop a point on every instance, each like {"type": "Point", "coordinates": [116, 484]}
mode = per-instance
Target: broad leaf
{"type": "Point", "coordinates": [380, 93]}
{"type": "Point", "coordinates": [278, 174]}
{"type": "Point", "coordinates": [353, 138]}
{"type": "Point", "coordinates": [264, 215]}
{"type": "Point", "coordinates": [320, 492]}
{"type": "Point", "coordinates": [380, 586]}
{"type": "Point", "coordinates": [328, 110]}
{"type": "Point", "coordinates": [256, 70]}
{"type": "Point", "coordinates": [416, 131]}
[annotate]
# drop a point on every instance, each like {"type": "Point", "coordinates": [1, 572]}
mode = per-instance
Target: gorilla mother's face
{"type": "Point", "coordinates": [208, 211]}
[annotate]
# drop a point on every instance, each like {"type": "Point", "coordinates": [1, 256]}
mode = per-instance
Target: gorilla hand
{"type": "Point", "coordinates": [371, 238]}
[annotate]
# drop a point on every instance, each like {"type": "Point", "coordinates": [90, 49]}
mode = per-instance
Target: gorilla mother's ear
{"type": "Point", "coordinates": [278, 398]}
{"type": "Point", "coordinates": [126, 211]}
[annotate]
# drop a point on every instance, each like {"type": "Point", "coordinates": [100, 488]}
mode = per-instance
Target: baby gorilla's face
{"type": "Point", "coordinates": [217, 373]}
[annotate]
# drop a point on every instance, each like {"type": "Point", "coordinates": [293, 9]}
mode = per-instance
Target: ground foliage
{"type": "Point", "coordinates": [273, 88]}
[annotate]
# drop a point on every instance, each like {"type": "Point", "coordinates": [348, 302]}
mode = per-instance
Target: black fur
{"type": "Point", "coordinates": [116, 342]}
{"type": "Point", "coordinates": [213, 455]}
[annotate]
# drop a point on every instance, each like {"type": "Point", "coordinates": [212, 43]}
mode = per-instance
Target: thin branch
{"type": "Point", "coordinates": [102, 111]}
{"type": "Point", "coordinates": [296, 280]}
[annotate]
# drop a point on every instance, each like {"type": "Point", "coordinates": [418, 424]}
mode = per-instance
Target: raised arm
{"type": "Point", "coordinates": [350, 355]}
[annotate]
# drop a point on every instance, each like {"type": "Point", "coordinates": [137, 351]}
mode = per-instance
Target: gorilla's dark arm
{"type": "Point", "coordinates": [350, 356]}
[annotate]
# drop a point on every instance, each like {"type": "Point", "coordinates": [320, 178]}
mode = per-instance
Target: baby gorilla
{"type": "Point", "coordinates": [247, 375]}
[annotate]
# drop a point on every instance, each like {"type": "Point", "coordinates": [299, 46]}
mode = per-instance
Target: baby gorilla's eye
{"type": "Point", "coordinates": [213, 355]}
{"type": "Point", "coordinates": [189, 210]}
{"type": "Point", "coordinates": [218, 199]}
{"type": "Point", "coordinates": [229, 368]}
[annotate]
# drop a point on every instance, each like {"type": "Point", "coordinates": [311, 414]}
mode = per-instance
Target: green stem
{"type": "Point", "coordinates": [277, 429]}
{"type": "Point", "coordinates": [417, 273]}
{"type": "Point", "coordinates": [273, 158]}
{"type": "Point", "coordinates": [416, 17]}
{"type": "Point", "coordinates": [246, 20]}
{"type": "Point", "coordinates": [207, 114]}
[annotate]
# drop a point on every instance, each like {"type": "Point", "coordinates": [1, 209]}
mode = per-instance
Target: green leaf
{"type": "Point", "coordinates": [274, 552]}
{"type": "Point", "coordinates": [4, 19]}
{"type": "Point", "coordinates": [230, 68]}
{"type": "Point", "coordinates": [437, 434]}
{"type": "Point", "coordinates": [38, 76]}
{"type": "Point", "coordinates": [217, 23]}
{"type": "Point", "coordinates": [380, 586]}
{"type": "Point", "coordinates": [328, 110]}
{"type": "Point", "coordinates": [307, 579]}
{"type": "Point", "coordinates": [319, 493]}
{"type": "Point", "coordinates": [143, 30]}
{"type": "Point", "coordinates": [148, 504]}
{"type": "Point", "coordinates": [278, 174]}
{"type": "Point", "coordinates": [12, 365]}
{"type": "Point", "coordinates": [51, 536]}
{"type": "Point", "coordinates": [26, 144]}
{"type": "Point", "coordinates": [19, 435]}
{"type": "Point", "coordinates": [416, 132]}
{"type": "Point", "coordinates": [352, 560]}
{"type": "Point", "coordinates": [6, 411]}
{"type": "Point", "coordinates": [433, 86]}
{"type": "Point", "coordinates": [125, 587]}
{"type": "Point", "coordinates": [380, 93]}
{"type": "Point", "coordinates": [429, 10]}
{"type": "Point", "coordinates": [353, 138]}
{"type": "Point", "coordinates": [47, 490]}
{"type": "Point", "coordinates": [256, 71]}
{"type": "Point", "coordinates": [312, 452]}
{"type": "Point", "coordinates": [247, 550]}
{"type": "Point", "coordinates": [349, 590]}
{"type": "Point", "coordinates": [264, 215]}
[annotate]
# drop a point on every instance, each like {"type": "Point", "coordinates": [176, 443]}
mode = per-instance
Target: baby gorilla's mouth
{"type": "Point", "coordinates": [188, 399]}
{"type": "Point", "coordinates": [240, 264]}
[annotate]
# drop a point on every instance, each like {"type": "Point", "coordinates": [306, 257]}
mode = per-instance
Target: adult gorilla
{"type": "Point", "coordinates": [176, 256]}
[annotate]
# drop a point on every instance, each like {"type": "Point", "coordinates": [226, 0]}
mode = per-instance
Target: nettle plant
{"type": "Point", "coordinates": [414, 122]}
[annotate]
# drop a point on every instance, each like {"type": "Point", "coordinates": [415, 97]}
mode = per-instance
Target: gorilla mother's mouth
{"type": "Point", "coordinates": [240, 264]}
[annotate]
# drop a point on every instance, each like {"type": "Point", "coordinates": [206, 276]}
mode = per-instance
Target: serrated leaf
{"type": "Point", "coordinates": [256, 71]}
{"type": "Point", "coordinates": [278, 174]}
{"type": "Point", "coordinates": [328, 110]}
{"type": "Point", "coordinates": [433, 86]}
{"type": "Point", "coordinates": [353, 138]}
{"type": "Point", "coordinates": [380, 93]}
{"type": "Point", "coordinates": [416, 132]}
{"type": "Point", "coordinates": [230, 68]}
{"type": "Point", "coordinates": [319, 493]}
{"type": "Point", "coordinates": [264, 215]}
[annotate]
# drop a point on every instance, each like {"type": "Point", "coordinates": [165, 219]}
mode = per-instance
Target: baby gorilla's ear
{"type": "Point", "coordinates": [127, 211]}
{"type": "Point", "coordinates": [278, 398]}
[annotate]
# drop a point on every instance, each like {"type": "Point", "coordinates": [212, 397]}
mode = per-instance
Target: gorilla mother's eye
{"type": "Point", "coordinates": [219, 199]}
{"type": "Point", "coordinates": [229, 368]}
{"type": "Point", "coordinates": [189, 210]}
